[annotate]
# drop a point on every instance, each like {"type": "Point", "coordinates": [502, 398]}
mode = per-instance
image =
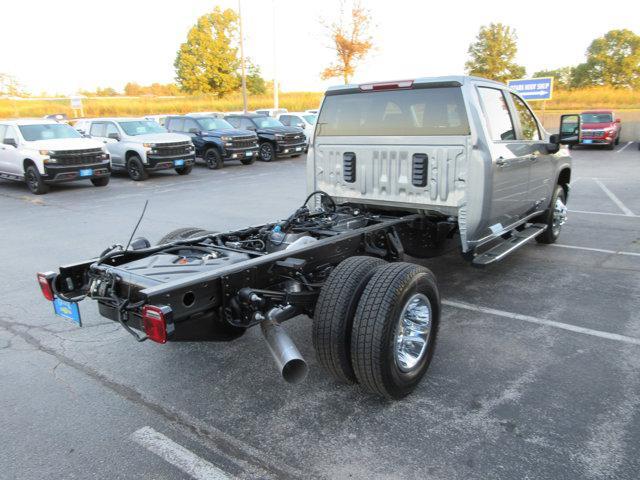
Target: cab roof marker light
{"type": "Point", "coordinates": [386, 85]}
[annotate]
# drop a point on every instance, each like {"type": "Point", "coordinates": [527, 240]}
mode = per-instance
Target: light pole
{"type": "Point", "coordinates": [244, 76]}
{"type": "Point", "coordinates": [275, 60]}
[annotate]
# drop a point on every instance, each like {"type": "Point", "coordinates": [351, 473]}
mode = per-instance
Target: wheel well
{"type": "Point", "coordinates": [27, 162]}
{"type": "Point", "coordinates": [130, 153]}
{"type": "Point", "coordinates": [209, 145]}
{"type": "Point", "coordinates": [564, 179]}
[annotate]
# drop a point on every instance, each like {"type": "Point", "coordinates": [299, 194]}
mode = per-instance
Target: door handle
{"type": "Point", "coordinates": [533, 158]}
{"type": "Point", "coordinates": [501, 162]}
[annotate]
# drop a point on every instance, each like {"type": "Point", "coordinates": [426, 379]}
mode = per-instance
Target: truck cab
{"type": "Point", "coordinates": [276, 140]}
{"type": "Point", "coordinates": [600, 127]}
{"type": "Point", "coordinates": [140, 146]}
{"type": "Point", "coordinates": [463, 148]}
{"type": "Point", "coordinates": [215, 139]}
{"type": "Point", "coordinates": [304, 120]}
{"type": "Point", "coordinates": [42, 152]}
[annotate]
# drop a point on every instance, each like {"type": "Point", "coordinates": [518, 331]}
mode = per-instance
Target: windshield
{"type": "Point", "coordinates": [596, 118]}
{"type": "Point", "coordinates": [310, 119]}
{"type": "Point", "coordinates": [266, 122]}
{"type": "Point", "coordinates": [47, 131]}
{"type": "Point", "coordinates": [211, 123]}
{"type": "Point", "coordinates": [425, 111]}
{"type": "Point", "coordinates": [141, 127]}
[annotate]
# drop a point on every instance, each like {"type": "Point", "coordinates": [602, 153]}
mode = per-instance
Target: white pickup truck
{"type": "Point", "coordinates": [41, 152]}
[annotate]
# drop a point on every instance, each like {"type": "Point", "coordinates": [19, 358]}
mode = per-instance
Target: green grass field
{"type": "Point", "coordinates": [596, 97]}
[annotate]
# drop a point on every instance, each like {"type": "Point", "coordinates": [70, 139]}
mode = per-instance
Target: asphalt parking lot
{"type": "Point", "coordinates": [536, 374]}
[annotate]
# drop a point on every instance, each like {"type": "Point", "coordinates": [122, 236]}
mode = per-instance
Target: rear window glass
{"type": "Point", "coordinates": [415, 112]}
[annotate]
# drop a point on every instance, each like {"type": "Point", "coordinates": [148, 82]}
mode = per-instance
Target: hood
{"type": "Point", "coordinates": [159, 138]}
{"type": "Point", "coordinates": [282, 129]}
{"type": "Point", "coordinates": [597, 126]}
{"type": "Point", "coordinates": [231, 132]}
{"type": "Point", "coordinates": [65, 144]}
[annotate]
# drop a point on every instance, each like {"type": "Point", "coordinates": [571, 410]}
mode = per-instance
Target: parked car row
{"type": "Point", "coordinates": [42, 152]}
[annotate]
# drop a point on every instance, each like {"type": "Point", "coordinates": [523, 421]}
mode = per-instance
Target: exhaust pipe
{"type": "Point", "coordinates": [292, 366]}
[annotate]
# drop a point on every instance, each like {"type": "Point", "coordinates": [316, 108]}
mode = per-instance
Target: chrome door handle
{"type": "Point", "coordinates": [501, 162]}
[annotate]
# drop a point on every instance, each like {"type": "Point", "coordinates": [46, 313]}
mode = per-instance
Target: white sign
{"type": "Point", "coordinates": [76, 103]}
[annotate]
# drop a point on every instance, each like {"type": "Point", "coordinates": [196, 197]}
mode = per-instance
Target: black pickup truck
{"type": "Point", "coordinates": [216, 140]}
{"type": "Point", "coordinates": [276, 140]}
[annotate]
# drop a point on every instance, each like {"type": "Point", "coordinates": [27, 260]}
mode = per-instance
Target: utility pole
{"type": "Point", "coordinates": [244, 76]}
{"type": "Point", "coordinates": [275, 60]}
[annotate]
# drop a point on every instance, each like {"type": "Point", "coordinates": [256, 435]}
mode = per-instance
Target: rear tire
{"type": "Point", "coordinates": [100, 182]}
{"type": "Point", "coordinates": [136, 170]}
{"type": "Point", "coordinates": [611, 146]}
{"type": "Point", "coordinates": [334, 313]}
{"type": "Point", "coordinates": [34, 181]}
{"type": "Point", "coordinates": [554, 217]}
{"type": "Point", "coordinates": [395, 329]}
{"type": "Point", "coordinates": [213, 159]}
{"type": "Point", "coordinates": [182, 234]}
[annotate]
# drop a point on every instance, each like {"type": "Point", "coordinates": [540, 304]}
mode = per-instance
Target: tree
{"type": "Point", "coordinates": [613, 59]}
{"type": "Point", "coordinates": [256, 85]}
{"type": "Point", "coordinates": [207, 62]}
{"type": "Point", "coordinates": [351, 41]}
{"type": "Point", "coordinates": [493, 54]}
{"type": "Point", "coordinates": [562, 77]}
{"type": "Point", "coordinates": [10, 86]}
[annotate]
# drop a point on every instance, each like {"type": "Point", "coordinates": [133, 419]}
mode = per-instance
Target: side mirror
{"type": "Point", "coordinates": [194, 130]}
{"type": "Point", "coordinates": [554, 143]}
{"type": "Point", "coordinates": [251, 127]}
{"type": "Point", "coordinates": [300, 125]}
{"type": "Point", "coordinates": [114, 136]}
{"type": "Point", "coordinates": [617, 120]}
{"type": "Point", "coordinates": [10, 141]}
{"type": "Point", "coordinates": [569, 129]}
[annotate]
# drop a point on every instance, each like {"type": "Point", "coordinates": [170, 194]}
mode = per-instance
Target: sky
{"type": "Point", "coordinates": [66, 45]}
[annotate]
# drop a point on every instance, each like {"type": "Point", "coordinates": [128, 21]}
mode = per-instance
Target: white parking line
{"type": "Point", "coordinates": [542, 321]}
{"type": "Point", "coordinates": [177, 455]}
{"type": "Point", "coordinates": [628, 143]}
{"type": "Point", "coordinates": [601, 250]}
{"type": "Point", "coordinates": [603, 213]}
{"type": "Point", "coordinates": [614, 199]}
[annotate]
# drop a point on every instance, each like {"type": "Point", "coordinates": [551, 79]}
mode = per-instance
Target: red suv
{"type": "Point", "coordinates": [600, 127]}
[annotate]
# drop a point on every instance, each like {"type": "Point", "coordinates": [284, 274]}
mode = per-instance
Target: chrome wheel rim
{"type": "Point", "coordinates": [559, 216]}
{"type": "Point", "coordinates": [265, 152]}
{"type": "Point", "coordinates": [412, 332]}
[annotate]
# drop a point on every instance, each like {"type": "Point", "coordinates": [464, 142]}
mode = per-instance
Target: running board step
{"type": "Point", "coordinates": [511, 244]}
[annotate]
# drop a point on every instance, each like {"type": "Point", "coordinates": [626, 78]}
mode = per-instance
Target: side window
{"type": "Point", "coordinates": [234, 121]}
{"type": "Point", "coordinates": [247, 124]}
{"type": "Point", "coordinates": [3, 128]}
{"type": "Point", "coordinates": [97, 130]}
{"type": "Point", "coordinates": [527, 120]}
{"type": "Point", "coordinates": [497, 114]}
{"type": "Point", "coordinates": [177, 124]}
{"type": "Point", "coordinates": [111, 128]}
{"type": "Point", "coordinates": [295, 121]}
{"type": "Point", "coordinates": [189, 124]}
{"type": "Point", "coordinates": [10, 133]}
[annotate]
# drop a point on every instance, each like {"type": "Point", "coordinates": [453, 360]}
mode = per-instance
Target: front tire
{"type": "Point", "coordinates": [136, 170]}
{"type": "Point", "coordinates": [554, 217]}
{"type": "Point", "coordinates": [100, 182]}
{"type": "Point", "coordinates": [248, 161]}
{"type": "Point", "coordinates": [186, 170]}
{"type": "Point", "coordinates": [267, 152]}
{"type": "Point", "coordinates": [34, 181]}
{"type": "Point", "coordinates": [333, 317]}
{"type": "Point", "coordinates": [395, 328]}
{"type": "Point", "coordinates": [213, 159]}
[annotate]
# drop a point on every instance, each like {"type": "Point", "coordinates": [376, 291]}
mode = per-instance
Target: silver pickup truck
{"type": "Point", "coordinates": [394, 170]}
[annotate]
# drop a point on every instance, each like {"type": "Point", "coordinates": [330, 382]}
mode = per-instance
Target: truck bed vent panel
{"type": "Point", "coordinates": [419, 164]}
{"type": "Point", "coordinates": [349, 167]}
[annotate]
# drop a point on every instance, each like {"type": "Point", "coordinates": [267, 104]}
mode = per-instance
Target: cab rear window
{"type": "Point", "coordinates": [415, 112]}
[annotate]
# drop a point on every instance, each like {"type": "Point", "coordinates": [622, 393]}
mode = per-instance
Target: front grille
{"type": "Point", "coordinates": [244, 142]}
{"type": "Point", "coordinates": [78, 157]}
{"type": "Point", "coordinates": [592, 133]}
{"type": "Point", "coordinates": [172, 149]}
{"type": "Point", "coordinates": [293, 138]}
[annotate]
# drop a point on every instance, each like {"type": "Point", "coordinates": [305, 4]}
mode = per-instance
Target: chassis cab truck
{"type": "Point", "coordinates": [395, 169]}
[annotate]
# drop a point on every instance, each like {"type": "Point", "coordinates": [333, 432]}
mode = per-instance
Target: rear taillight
{"type": "Point", "coordinates": [45, 280]}
{"type": "Point", "coordinates": [157, 322]}
{"type": "Point", "coordinates": [387, 85]}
